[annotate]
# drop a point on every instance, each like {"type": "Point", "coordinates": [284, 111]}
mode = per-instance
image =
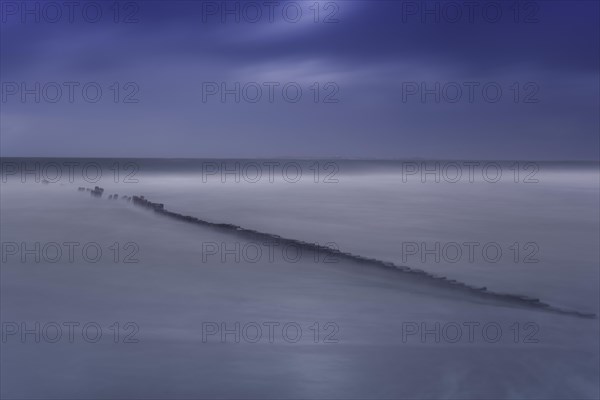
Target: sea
{"type": "Point", "coordinates": [299, 278]}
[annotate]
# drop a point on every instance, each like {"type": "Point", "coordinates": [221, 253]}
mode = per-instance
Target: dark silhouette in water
{"type": "Point", "coordinates": [514, 299]}
{"type": "Point", "coordinates": [97, 192]}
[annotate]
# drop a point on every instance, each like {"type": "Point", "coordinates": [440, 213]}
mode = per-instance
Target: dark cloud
{"type": "Point", "coordinates": [370, 54]}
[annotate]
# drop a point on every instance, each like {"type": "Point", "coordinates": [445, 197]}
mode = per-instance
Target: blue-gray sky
{"type": "Point", "coordinates": [372, 58]}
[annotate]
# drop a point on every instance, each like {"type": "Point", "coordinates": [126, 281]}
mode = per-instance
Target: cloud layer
{"type": "Point", "coordinates": [376, 79]}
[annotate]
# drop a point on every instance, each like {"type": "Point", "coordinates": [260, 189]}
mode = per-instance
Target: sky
{"type": "Point", "coordinates": [261, 79]}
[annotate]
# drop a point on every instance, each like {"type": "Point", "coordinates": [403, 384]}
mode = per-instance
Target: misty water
{"type": "Point", "coordinates": [363, 331]}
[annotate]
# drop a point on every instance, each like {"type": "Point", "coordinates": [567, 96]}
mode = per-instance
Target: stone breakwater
{"type": "Point", "coordinates": [426, 277]}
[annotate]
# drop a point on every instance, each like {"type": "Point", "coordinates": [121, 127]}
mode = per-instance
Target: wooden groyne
{"type": "Point", "coordinates": [508, 298]}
